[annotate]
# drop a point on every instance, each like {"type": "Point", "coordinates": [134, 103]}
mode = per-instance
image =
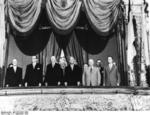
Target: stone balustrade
{"type": "Point", "coordinates": [99, 99]}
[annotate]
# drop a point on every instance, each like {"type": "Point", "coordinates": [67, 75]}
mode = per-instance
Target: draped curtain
{"type": "Point", "coordinates": [121, 43]}
{"type": "Point", "coordinates": [23, 14]}
{"type": "Point", "coordinates": [63, 16]}
{"type": "Point", "coordinates": [75, 49]}
{"type": "Point", "coordinates": [102, 14]}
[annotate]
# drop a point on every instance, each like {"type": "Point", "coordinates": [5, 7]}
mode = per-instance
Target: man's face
{"type": "Point", "coordinates": [98, 63]}
{"type": "Point", "coordinates": [71, 60]}
{"type": "Point", "coordinates": [110, 60]}
{"type": "Point", "coordinates": [85, 66]}
{"type": "Point", "coordinates": [53, 59]}
{"type": "Point", "coordinates": [34, 60]}
{"type": "Point", "coordinates": [14, 62]}
{"type": "Point", "coordinates": [91, 62]}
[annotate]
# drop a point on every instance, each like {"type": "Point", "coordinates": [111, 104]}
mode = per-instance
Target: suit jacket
{"type": "Point", "coordinates": [73, 76]}
{"type": "Point", "coordinates": [33, 76]}
{"type": "Point", "coordinates": [111, 76]}
{"type": "Point", "coordinates": [62, 76]}
{"type": "Point", "coordinates": [91, 78]}
{"type": "Point", "coordinates": [53, 74]}
{"type": "Point", "coordinates": [13, 79]}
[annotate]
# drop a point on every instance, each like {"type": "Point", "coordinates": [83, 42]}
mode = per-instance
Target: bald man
{"type": "Point", "coordinates": [73, 73]}
{"type": "Point", "coordinates": [13, 75]}
{"type": "Point", "coordinates": [53, 75]}
{"type": "Point", "coordinates": [91, 75]}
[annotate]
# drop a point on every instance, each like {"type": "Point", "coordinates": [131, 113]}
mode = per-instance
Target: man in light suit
{"type": "Point", "coordinates": [111, 74]}
{"type": "Point", "coordinates": [91, 75]}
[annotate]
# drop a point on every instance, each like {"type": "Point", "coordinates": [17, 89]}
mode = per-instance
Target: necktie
{"type": "Point", "coordinates": [91, 69]}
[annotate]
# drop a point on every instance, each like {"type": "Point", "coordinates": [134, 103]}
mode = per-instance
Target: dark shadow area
{"type": "Point", "coordinates": [148, 74]}
{"type": "Point", "coordinates": [62, 40]}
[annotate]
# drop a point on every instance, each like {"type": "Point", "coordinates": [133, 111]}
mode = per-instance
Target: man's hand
{"type": "Point", "coordinates": [26, 84]}
{"type": "Point", "coordinates": [118, 84]}
{"type": "Point", "coordinates": [78, 83]}
{"type": "Point", "coordinates": [7, 85]}
{"type": "Point", "coordinates": [46, 84]}
{"type": "Point", "coordinates": [59, 83]}
{"type": "Point", "coordinates": [66, 83]}
{"type": "Point", "coordinates": [40, 84]}
{"type": "Point", "coordinates": [20, 85]}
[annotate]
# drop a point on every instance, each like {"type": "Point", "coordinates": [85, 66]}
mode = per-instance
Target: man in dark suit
{"type": "Point", "coordinates": [111, 74]}
{"type": "Point", "coordinates": [52, 77]}
{"type": "Point", "coordinates": [13, 75]}
{"type": "Point", "coordinates": [73, 74]}
{"type": "Point", "coordinates": [63, 64]}
{"type": "Point", "coordinates": [33, 76]}
{"type": "Point", "coordinates": [101, 70]}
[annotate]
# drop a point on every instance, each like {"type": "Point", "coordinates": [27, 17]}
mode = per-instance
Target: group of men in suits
{"type": "Point", "coordinates": [98, 76]}
{"type": "Point", "coordinates": [63, 74]}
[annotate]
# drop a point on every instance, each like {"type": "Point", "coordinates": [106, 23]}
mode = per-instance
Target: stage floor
{"type": "Point", "coordinates": [83, 98]}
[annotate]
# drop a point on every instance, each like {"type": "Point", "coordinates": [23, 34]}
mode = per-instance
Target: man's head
{"type": "Point", "coordinates": [98, 63]}
{"type": "Point", "coordinates": [14, 62]}
{"type": "Point", "coordinates": [62, 62]}
{"type": "Point", "coordinates": [72, 60]}
{"type": "Point", "coordinates": [85, 66]}
{"type": "Point", "coordinates": [34, 59]}
{"type": "Point", "coordinates": [91, 62]}
{"type": "Point", "coordinates": [110, 60]}
{"type": "Point", "coordinates": [53, 59]}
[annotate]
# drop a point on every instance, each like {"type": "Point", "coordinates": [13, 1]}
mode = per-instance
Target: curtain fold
{"type": "Point", "coordinates": [23, 14]}
{"type": "Point", "coordinates": [102, 14]}
{"type": "Point", "coordinates": [34, 43]}
{"type": "Point", "coordinates": [74, 49]}
{"type": "Point", "coordinates": [63, 15]}
{"type": "Point", "coordinates": [121, 44]}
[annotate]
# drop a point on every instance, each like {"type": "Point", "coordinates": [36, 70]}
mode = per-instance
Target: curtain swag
{"type": "Point", "coordinates": [63, 14]}
{"type": "Point", "coordinates": [23, 14]}
{"type": "Point", "coordinates": [102, 14]}
{"type": "Point", "coordinates": [63, 17]}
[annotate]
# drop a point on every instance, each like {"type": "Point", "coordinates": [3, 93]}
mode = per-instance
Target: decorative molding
{"type": "Point", "coordinates": [81, 99]}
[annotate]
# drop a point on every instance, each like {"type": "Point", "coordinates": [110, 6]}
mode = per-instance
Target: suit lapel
{"type": "Point", "coordinates": [108, 69]}
{"type": "Point", "coordinates": [113, 66]}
